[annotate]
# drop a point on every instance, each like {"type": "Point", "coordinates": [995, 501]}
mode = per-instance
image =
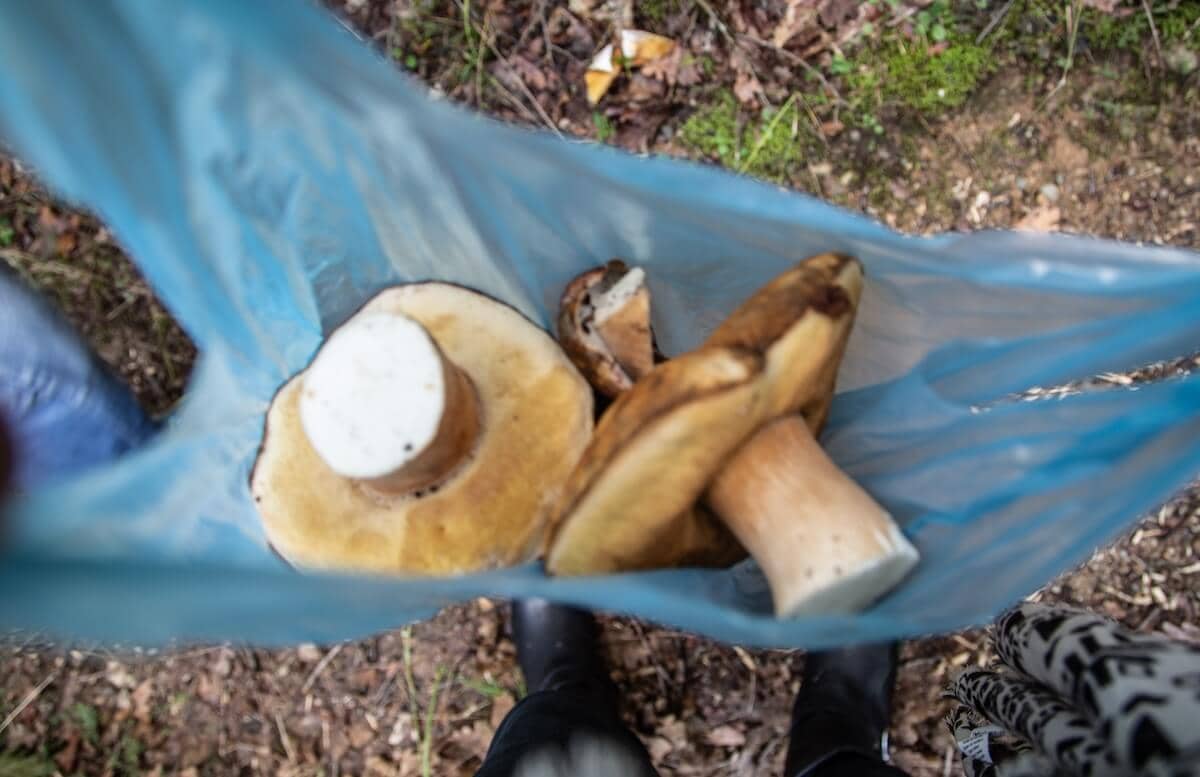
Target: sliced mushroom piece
{"type": "Point", "coordinates": [431, 434]}
{"type": "Point", "coordinates": [604, 326]}
{"type": "Point", "coordinates": [823, 543]}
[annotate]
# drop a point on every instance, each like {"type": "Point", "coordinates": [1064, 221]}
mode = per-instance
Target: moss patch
{"type": "Point", "coordinates": [771, 145]}
{"type": "Point", "coordinates": [26, 766]}
{"type": "Point", "coordinates": [913, 77]}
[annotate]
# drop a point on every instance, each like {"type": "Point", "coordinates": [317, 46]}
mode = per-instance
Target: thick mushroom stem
{"type": "Point", "coordinates": [823, 543]}
{"type": "Point", "coordinates": [381, 404]}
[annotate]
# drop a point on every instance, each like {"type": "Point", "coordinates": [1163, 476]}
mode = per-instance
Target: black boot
{"type": "Point", "coordinates": [570, 718]}
{"type": "Point", "coordinates": [557, 650]}
{"type": "Point", "coordinates": [841, 713]}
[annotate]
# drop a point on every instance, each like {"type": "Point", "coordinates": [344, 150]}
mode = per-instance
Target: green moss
{"type": "Point", "coordinates": [657, 10]}
{"type": "Point", "coordinates": [89, 722]}
{"type": "Point", "coordinates": [904, 77]}
{"type": "Point", "coordinates": [1176, 23]}
{"type": "Point", "coordinates": [26, 766]}
{"type": "Point", "coordinates": [769, 146]}
{"type": "Point", "coordinates": [713, 130]}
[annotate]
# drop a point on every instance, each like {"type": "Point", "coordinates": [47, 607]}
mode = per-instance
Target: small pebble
{"type": "Point", "coordinates": [1050, 192]}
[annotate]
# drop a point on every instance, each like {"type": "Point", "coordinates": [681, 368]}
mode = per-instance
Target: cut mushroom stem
{"type": "Point", "coordinates": [382, 404]}
{"type": "Point", "coordinates": [823, 543]}
{"type": "Point", "coordinates": [622, 319]}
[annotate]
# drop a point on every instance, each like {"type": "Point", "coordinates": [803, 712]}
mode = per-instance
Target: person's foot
{"type": "Point", "coordinates": [843, 706]}
{"type": "Point", "coordinates": [557, 647]}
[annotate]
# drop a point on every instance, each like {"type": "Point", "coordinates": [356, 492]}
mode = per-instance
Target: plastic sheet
{"type": "Point", "coordinates": [268, 172]}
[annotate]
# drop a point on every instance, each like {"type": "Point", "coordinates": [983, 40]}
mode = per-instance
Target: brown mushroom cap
{"type": "Point", "coordinates": [630, 503]}
{"type": "Point", "coordinates": [800, 322]}
{"type": "Point", "coordinates": [535, 418]}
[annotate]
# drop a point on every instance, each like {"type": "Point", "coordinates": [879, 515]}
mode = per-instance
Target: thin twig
{"type": "Point", "coordinates": [320, 667]}
{"type": "Point", "coordinates": [796, 60]}
{"type": "Point", "coordinates": [427, 739]}
{"type": "Point", "coordinates": [820, 133]}
{"type": "Point", "coordinates": [513, 100]}
{"type": "Point", "coordinates": [716, 20]}
{"type": "Point", "coordinates": [409, 681]}
{"type": "Point", "coordinates": [487, 41]}
{"type": "Point", "coordinates": [285, 740]}
{"type": "Point", "coordinates": [537, 106]}
{"type": "Point", "coordinates": [30, 698]}
{"type": "Point", "coordinates": [1154, 33]}
{"type": "Point", "coordinates": [997, 17]}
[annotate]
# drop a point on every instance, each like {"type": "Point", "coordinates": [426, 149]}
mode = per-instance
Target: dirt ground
{"type": "Point", "coordinates": [1097, 148]}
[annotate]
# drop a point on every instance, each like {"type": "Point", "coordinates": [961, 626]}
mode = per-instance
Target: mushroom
{"type": "Point", "coordinates": [432, 433]}
{"type": "Point", "coordinates": [604, 326]}
{"type": "Point", "coordinates": [732, 425]}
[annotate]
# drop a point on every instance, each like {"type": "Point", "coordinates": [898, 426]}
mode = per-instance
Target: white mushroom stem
{"type": "Point", "coordinates": [823, 543]}
{"type": "Point", "coordinates": [382, 404]}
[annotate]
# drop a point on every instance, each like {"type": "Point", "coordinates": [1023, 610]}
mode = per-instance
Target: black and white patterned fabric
{"type": "Point", "coordinates": [1079, 695]}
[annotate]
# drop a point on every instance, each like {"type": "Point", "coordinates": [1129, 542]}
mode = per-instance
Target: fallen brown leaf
{"type": "Point", "coordinates": [1041, 219]}
{"type": "Point", "coordinates": [725, 736]}
{"type": "Point", "coordinates": [643, 89]}
{"type": "Point", "coordinates": [533, 76]}
{"type": "Point", "coordinates": [834, 12]}
{"type": "Point", "coordinates": [666, 68]}
{"type": "Point", "coordinates": [800, 19]}
{"type": "Point", "coordinates": [361, 735]}
{"type": "Point", "coordinates": [638, 125]}
{"type": "Point", "coordinates": [141, 697]}
{"type": "Point", "coordinates": [570, 33]}
{"type": "Point", "coordinates": [690, 72]}
{"type": "Point", "coordinates": [746, 88]}
{"type": "Point", "coordinates": [659, 748]}
{"type": "Point", "coordinates": [831, 129]}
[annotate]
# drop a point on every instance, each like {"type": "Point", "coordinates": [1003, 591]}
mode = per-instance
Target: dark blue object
{"type": "Point", "coordinates": [63, 412]}
{"type": "Point", "coordinates": [269, 173]}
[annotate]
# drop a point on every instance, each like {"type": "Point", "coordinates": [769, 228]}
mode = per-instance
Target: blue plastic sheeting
{"type": "Point", "coordinates": [269, 173]}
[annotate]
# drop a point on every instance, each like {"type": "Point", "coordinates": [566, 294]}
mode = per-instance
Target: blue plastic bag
{"type": "Point", "coordinates": [269, 173]}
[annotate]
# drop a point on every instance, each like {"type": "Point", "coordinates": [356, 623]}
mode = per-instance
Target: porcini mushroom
{"type": "Point", "coordinates": [431, 434]}
{"type": "Point", "coordinates": [604, 326]}
{"type": "Point", "coordinates": [733, 425]}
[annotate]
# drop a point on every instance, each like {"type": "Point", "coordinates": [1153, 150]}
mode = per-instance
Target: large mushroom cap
{"type": "Point", "coordinates": [630, 503]}
{"type": "Point", "coordinates": [490, 509]}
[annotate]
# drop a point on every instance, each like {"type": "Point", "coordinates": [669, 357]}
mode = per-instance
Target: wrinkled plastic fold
{"type": "Point", "coordinates": [268, 173]}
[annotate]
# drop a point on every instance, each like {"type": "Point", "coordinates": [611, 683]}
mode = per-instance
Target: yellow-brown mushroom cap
{"type": "Point", "coordinates": [629, 503]}
{"type": "Point", "coordinates": [536, 417]}
{"type": "Point", "coordinates": [800, 322]}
